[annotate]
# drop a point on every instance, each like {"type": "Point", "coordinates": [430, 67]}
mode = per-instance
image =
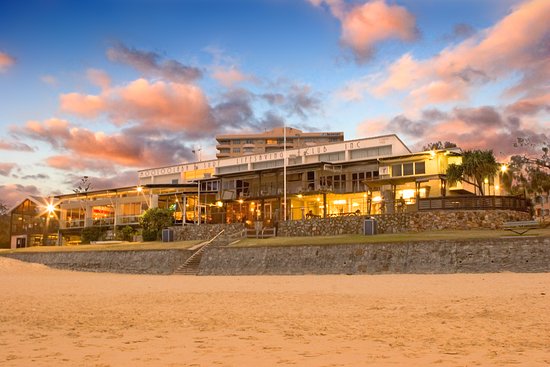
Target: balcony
{"type": "Point", "coordinates": [474, 203]}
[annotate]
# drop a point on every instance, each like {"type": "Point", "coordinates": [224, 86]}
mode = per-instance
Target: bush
{"type": "Point", "coordinates": [155, 220]}
{"type": "Point", "coordinates": [126, 233]}
{"type": "Point", "coordinates": [150, 235]}
{"type": "Point", "coordinates": [91, 234]}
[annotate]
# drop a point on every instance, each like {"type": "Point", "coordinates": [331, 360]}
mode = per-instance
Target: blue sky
{"type": "Point", "coordinates": [104, 88]}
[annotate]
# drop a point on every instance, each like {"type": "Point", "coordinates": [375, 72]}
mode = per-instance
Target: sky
{"type": "Point", "coordinates": [105, 88]}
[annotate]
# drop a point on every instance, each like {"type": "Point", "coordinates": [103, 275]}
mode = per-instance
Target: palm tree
{"type": "Point", "coordinates": [476, 167]}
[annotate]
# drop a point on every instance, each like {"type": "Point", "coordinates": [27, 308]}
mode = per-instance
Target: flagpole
{"type": "Point", "coordinates": [284, 171]}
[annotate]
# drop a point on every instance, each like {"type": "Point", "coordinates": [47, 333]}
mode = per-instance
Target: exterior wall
{"type": "Point", "coordinates": [207, 169]}
{"type": "Point", "coordinates": [524, 255]}
{"type": "Point", "coordinates": [235, 145]}
{"type": "Point", "coordinates": [136, 262]}
{"type": "Point", "coordinates": [205, 231]}
{"type": "Point", "coordinates": [13, 243]}
{"type": "Point", "coordinates": [402, 222]}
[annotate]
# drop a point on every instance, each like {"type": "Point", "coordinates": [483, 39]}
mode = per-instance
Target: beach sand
{"type": "Point", "coordinates": [62, 318]}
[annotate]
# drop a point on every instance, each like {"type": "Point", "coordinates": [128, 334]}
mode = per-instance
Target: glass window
{"type": "Point", "coordinates": [420, 168]}
{"type": "Point", "coordinates": [408, 169]}
{"type": "Point", "coordinates": [236, 150]}
{"type": "Point", "coordinates": [396, 170]}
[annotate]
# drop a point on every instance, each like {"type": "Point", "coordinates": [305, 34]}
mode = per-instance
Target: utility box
{"type": "Point", "coordinates": [167, 235]}
{"type": "Point", "coordinates": [370, 227]}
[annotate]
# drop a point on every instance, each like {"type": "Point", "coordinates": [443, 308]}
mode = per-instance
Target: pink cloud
{"type": "Point", "coordinates": [6, 168]}
{"type": "Point", "coordinates": [99, 78]}
{"type": "Point", "coordinates": [228, 77]}
{"type": "Point", "coordinates": [6, 61]}
{"type": "Point", "coordinates": [165, 105]}
{"type": "Point", "coordinates": [85, 149]}
{"type": "Point", "coordinates": [88, 106]}
{"type": "Point", "coordinates": [512, 46]}
{"type": "Point", "coordinates": [11, 194]}
{"type": "Point", "coordinates": [368, 24]}
{"type": "Point", "coordinates": [364, 26]}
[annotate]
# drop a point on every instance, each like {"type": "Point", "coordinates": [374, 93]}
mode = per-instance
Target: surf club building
{"type": "Point", "coordinates": [369, 176]}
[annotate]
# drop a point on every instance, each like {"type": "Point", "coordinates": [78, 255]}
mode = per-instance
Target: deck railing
{"type": "Point", "coordinates": [474, 202]}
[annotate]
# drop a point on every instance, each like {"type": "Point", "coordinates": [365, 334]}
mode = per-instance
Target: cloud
{"type": "Point", "coordinates": [99, 78]}
{"type": "Point", "coordinates": [150, 64]}
{"type": "Point", "coordinates": [121, 179]}
{"type": "Point", "coordinates": [517, 44]}
{"type": "Point", "coordinates": [460, 31]}
{"type": "Point", "coordinates": [11, 194]}
{"type": "Point", "coordinates": [164, 105]}
{"type": "Point", "coordinates": [88, 106]}
{"type": "Point", "coordinates": [38, 176]}
{"type": "Point", "coordinates": [228, 77]}
{"type": "Point", "coordinates": [530, 106]}
{"type": "Point", "coordinates": [6, 168]}
{"type": "Point", "coordinates": [84, 149]}
{"type": "Point", "coordinates": [296, 99]}
{"type": "Point", "coordinates": [16, 146]}
{"type": "Point", "coordinates": [6, 61]}
{"type": "Point", "coordinates": [366, 25]}
{"type": "Point", "coordinates": [49, 79]}
{"type": "Point", "coordinates": [470, 128]}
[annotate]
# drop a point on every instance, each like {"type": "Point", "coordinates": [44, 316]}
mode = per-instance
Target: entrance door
{"type": "Point", "coordinates": [21, 242]}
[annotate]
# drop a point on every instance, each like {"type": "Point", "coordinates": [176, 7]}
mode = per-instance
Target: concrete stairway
{"type": "Point", "coordinates": [191, 265]}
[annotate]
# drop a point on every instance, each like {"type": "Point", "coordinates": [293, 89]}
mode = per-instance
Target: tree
{"type": "Point", "coordinates": [477, 165]}
{"type": "Point", "coordinates": [529, 174]}
{"type": "Point", "coordinates": [4, 225]}
{"type": "Point", "coordinates": [84, 185]}
{"type": "Point", "coordinates": [154, 220]}
{"type": "Point", "coordinates": [438, 145]}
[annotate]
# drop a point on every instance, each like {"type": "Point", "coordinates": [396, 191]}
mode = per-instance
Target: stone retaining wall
{"type": "Point", "coordinates": [474, 256]}
{"type": "Point", "coordinates": [402, 222]}
{"type": "Point", "coordinates": [204, 232]}
{"type": "Point", "coordinates": [136, 262]}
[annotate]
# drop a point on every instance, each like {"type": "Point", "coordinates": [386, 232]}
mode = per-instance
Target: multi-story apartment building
{"type": "Point", "coordinates": [236, 145]}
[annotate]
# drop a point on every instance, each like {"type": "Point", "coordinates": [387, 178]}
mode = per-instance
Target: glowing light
{"type": "Point", "coordinates": [432, 154]}
{"type": "Point", "coordinates": [503, 168]}
{"type": "Point", "coordinates": [340, 202]}
{"type": "Point", "coordinates": [50, 208]}
{"type": "Point", "coordinates": [318, 199]}
{"type": "Point", "coordinates": [240, 201]}
{"type": "Point", "coordinates": [219, 204]}
{"type": "Point", "coordinates": [407, 194]}
{"type": "Point", "coordinates": [486, 180]}
{"type": "Point", "coordinates": [355, 204]}
{"type": "Point", "coordinates": [300, 196]}
{"type": "Point", "coordinates": [377, 199]}
{"type": "Point", "coordinates": [139, 189]}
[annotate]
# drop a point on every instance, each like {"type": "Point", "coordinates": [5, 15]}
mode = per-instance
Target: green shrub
{"type": "Point", "coordinates": [126, 233]}
{"type": "Point", "coordinates": [91, 234]}
{"type": "Point", "coordinates": [154, 220]}
{"type": "Point", "coordinates": [150, 235]}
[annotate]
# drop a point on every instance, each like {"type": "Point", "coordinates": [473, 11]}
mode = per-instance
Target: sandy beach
{"type": "Point", "coordinates": [62, 318]}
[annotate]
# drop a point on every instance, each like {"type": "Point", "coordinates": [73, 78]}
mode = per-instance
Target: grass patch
{"type": "Point", "coordinates": [385, 238]}
{"type": "Point", "coordinates": [124, 246]}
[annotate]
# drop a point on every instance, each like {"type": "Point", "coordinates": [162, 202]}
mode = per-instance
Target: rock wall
{"type": "Point", "coordinates": [205, 231]}
{"type": "Point", "coordinates": [402, 222]}
{"type": "Point", "coordinates": [482, 256]}
{"type": "Point", "coordinates": [136, 262]}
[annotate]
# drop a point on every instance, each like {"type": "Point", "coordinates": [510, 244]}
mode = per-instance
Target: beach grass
{"type": "Point", "coordinates": [121, 246]}
{"type": "Point", "coordinates": [386, 238]}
